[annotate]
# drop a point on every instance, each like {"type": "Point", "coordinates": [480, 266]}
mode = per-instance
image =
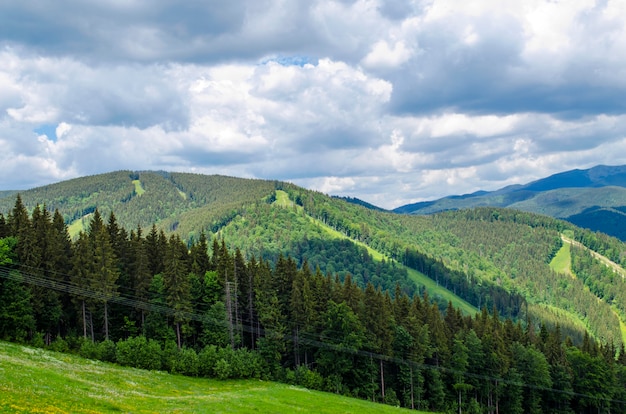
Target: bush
{"type": "Point", "coordinates": [107, 351]}
{"type": "Point", "coordinates": [207, 358]}
{"type": "Point", "coordinates": [312, 380]}
{"type": "Point", "coordinates": [169, 355]}
{"type": "Point", "coordinates": [223, 369]}
{"type": "Point", "coordinates": [59, 345]}
{"type": "Point", "coordinates": [37, 340]}
{"type": "Point", "coordinates": [89, 349]}
{"type": "Point", "coordinates": [187, 363]}
{"type": "Point", "coordinates": [138, 352]}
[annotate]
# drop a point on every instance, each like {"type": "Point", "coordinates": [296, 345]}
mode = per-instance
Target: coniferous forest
{"type": "Point", "coordinates": [140, 298]}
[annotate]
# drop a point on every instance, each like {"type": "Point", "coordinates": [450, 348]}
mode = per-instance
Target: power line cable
{"type": "Point", "coordinates": [306, 338]}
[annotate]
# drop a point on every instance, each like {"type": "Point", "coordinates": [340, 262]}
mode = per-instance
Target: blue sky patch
{"type": "Point", "coordinates": [47, 129]}
{"type": "Point", "coordinates": [290, 60]}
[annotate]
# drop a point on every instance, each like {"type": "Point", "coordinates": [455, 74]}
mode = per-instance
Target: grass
{"type": "Point", "coordinates": [35, 380]}
{"type": "Point", "coordinates": [139, 190]}
{"type": "Point", "coordinates": [435, 290]}
{"type": "Point", "coordinates": [78, 225]}
{"type": "Point", "coordinates": [282, 199]}
{"type": "Point", "coordinates": [561, 263]}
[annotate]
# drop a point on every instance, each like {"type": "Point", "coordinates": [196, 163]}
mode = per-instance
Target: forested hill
{"type": "Point", "coordinates": [547, 275]}
{"type": "Point", "coordinates": [144, 198]}
{"type": "Point", "coordinates": [155, 302]}
{"type": "Point", "coordinates": [475, 258]}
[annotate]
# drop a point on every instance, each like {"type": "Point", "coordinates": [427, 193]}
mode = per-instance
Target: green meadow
{"type": "Point", "coordinates": [34, 380]}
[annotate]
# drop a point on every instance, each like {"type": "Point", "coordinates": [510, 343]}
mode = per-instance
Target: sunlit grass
{"type": "Point", "coordinates": [434, 289]}
{"type": "Point", "coordinates": [139, 190]}
{"type": "Point", "coordinates": [38, 381]}
{"type": "Point", "coordinates": [561, 263]}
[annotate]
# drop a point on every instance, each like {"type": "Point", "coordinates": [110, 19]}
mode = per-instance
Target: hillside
{"type": "Point", "coordinates": [144, 198]}
{"type": "Point", "coordinates": [34, 380]}
{"type": "Point", "coordinates": [280, 282]}
{"type": "Point", "coordinates": [476, 258]}
{"type": "Point", "coordinates": [593, 198]}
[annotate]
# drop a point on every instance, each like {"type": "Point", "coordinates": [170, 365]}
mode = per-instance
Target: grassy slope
{"type": "Point", "coordinates": [35, 380]}
{"type": "Point", "coordinates": [282, 199]}
{"type": "Point", "coordinates": [138, 187]}
{"type": "Point", "coordinates": [561, 263]}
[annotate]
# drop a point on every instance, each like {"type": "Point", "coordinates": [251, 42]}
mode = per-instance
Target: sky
{"type": "Point", "coordinates": [390, 101]}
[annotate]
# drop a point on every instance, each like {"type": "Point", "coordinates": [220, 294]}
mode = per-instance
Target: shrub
{"type": "Point", "coordinates": [138, 352]}
{"type": "Point", "coordinates": [107, 351]}
{"type": "Point", "coordinates": [59, 345]}
{"type": "Point", "coordinates": [89, 349]}
{"type": "Point", "coordinates": [207, 358]}
{"type": "Point", "coordinates": [309, 379]}
{"type": "Point", "coordinates": [223, 369]}
{"type": "Point", "coordinates": [37, 340]}
{"type": "Point", "coordinates": [187, 362]}
{"type": "Point", "coordinates": [169, 355]}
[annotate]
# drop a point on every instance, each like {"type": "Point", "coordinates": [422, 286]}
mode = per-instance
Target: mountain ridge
{"type": "Point", "coordinates": [590, 198]}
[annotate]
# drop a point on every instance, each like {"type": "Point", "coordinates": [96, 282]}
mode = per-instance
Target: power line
{"type": "Point", "coordinates": [304, 338]}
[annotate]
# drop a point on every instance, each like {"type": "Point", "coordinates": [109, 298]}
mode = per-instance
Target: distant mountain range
{"type": "Point", "coordinates": [594, 198]}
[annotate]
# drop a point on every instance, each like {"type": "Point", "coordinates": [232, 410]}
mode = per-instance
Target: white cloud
{"type": "Point", "coordinates": [386, 100]}
{"type": "Point", "coordinates": [385, 56]}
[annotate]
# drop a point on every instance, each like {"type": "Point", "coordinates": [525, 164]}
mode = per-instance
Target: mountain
{"type": "Point", "coordinates": [594, 198]}
{"type": "Point", "coordinates": [484, 257]}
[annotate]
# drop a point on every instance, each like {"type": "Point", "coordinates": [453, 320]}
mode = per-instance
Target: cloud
{"type": "Point", "coordinates": [391, 101]}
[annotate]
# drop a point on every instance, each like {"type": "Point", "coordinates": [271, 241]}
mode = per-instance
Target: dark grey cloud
{"type": "Point", "coordinates": [417, 99]}
{"type": "Point", "coordinates": [124, 30]}
{"type": "Point", "coordinates": [450, 75]}
{"type": "Point", "coordinates": [481, 65]}
{"type": "Point", "coordinates": [396, 9]}
{"type": "Point", "coordinates": [160, 31]}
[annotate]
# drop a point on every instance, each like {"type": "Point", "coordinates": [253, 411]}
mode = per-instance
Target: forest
{"type": "Point", "coordinates": [139, 297]}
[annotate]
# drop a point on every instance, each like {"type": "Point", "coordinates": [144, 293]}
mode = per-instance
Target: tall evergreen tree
{"type": "Point", "coordinates": [105, 266]}
{"type": "Point", "coordinates": [141, 276]}
{"type": "Point", "coordinates": [4, 227]}
{"type": "Point", "coordinates": [156, 246]}
{"type": "Point", "coordinates": [81, 275]}
{"type": "Point", "coordinates": [19, 220]}
{"type": "Point", "coordinates": [176, 284]}
{"type": "Point", "coordinates": [41, 260]}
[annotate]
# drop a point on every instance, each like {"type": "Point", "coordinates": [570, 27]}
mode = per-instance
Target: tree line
{"type": "Point", "coordinates": [143, 299]}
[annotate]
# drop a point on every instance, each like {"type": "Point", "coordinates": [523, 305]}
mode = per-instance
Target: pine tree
{"type": "Point", "coordinates": [301, 307]}
{"type": "Point", "coordinates": [141, 276]}
{"type": "Point", "coordinates": [19, 220]}
{"type": "Point", "coordinates": [105, 266]}
{"type": "Point", "coordinates": [156, 246]}
{"type": "Point", "coordinates": [82, 272]}
{"type": "Point", "coordinates": [17, 321]}
{"type": "Point", "coordinates": [4, 227]}
{"type": "Point", "coordinates": [41, 260]}
{"type": "Point", "coordinates": [199, 256]}
{"type": "Point", "coordinates": [176, 284]}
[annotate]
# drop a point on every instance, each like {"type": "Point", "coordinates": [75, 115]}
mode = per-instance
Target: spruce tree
{"type": "Point", "coordinates": [176, 284]}
{"type": "Point", "coordinates": [4, 227]}
{"type": "Point", "coordinates": [141, 276]}
{"type": "Point", "coordinates": [105, 266]}
{"type": "Point", "coordinates": [81, 275]}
